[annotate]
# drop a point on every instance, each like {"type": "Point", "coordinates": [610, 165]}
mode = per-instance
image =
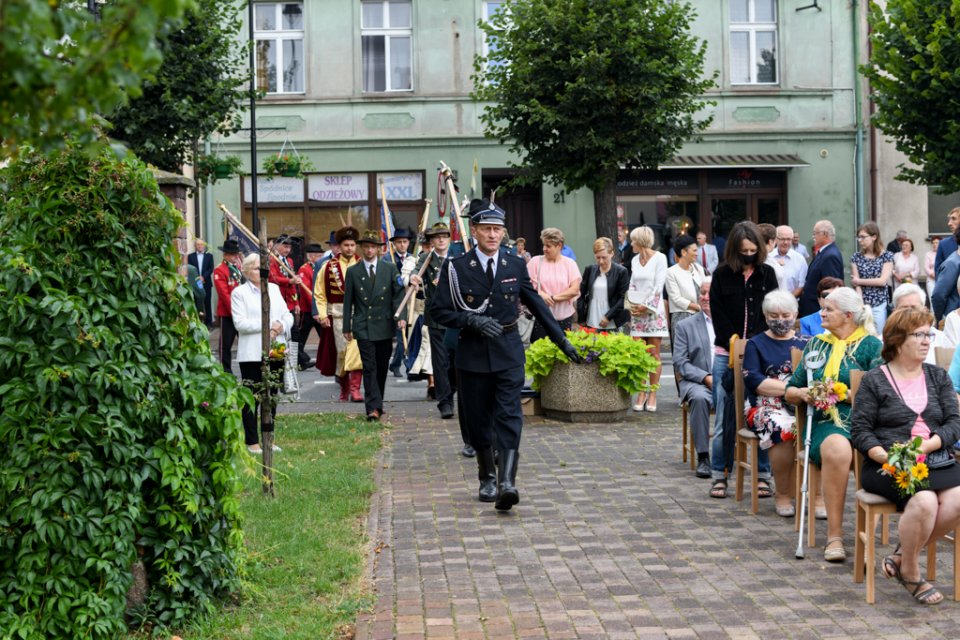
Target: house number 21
{"type": "Point", "coordinates": [558, 197]}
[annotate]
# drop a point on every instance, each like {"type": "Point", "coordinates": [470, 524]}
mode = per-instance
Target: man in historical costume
{"type": "Point", "coordinates": [226, 278]}
{"type": "Point", "coordinates": [444, 375]}
{"type": "Point", "coordinates": [418, 360]}
{"type": "Point", "coordinates": [289, 287]}
{"type": "Point", "coordinates": [338, 356]}
{"type": "Point", "coordinates": [401, 250]}
{"type": "Point", "coordinates": [305, 302]}
{"type": "Point", "coordinates": [203, 261]}
{"type": "Point", "coordinates": [371, 298]}
{"type": "Point", "coordinates": [480, 293]}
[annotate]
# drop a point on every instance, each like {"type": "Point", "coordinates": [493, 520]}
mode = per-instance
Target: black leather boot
{"type": "Point", "coordinates": [507, 494]}
{"type": "Point", "coordinates": [488, 475]}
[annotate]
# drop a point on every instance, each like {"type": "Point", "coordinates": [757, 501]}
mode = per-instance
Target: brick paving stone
{"type": "Point", "coordinates": [613, 537]}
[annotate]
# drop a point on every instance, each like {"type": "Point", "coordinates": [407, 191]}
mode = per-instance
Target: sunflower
{"type": "Point", "coordinates": [903, 479]}
{"type": "Point", "coordinates": [919, 471]}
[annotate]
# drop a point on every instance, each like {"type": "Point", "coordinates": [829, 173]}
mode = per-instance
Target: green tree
{"type": "Point", "coordinates": [197, 91]}
{"type": "Point", "coordinates": [59, 66]}
{"type": "Point", "coordinates": [914, 74]}
{"type": "Point", "coordinates": [579, 88]}
{"type": "Point", "coordinates": [121, 432]}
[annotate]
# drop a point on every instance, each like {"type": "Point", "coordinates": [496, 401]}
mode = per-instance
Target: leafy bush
{"type": "Point", "coordinates": [616, 354]}
{"type": "Point", "coordinates": [119, 429]}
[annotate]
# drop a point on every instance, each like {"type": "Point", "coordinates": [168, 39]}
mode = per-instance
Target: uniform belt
{"type": "Point", "coordinates": [507, 328]}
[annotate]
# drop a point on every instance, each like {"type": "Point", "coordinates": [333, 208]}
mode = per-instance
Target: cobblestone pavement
{"type": "Point", "coordinates": [613, 538]}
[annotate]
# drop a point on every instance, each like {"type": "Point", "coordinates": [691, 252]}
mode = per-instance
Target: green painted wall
{"type": "Point", "coordinates": [341, 129]}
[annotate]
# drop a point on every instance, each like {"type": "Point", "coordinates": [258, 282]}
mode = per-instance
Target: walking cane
{"type": "Point", "coordinates": [811, 362]}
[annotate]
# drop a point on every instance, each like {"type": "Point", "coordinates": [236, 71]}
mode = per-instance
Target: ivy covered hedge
{"type": "Point", "coordinates": [119, 431]}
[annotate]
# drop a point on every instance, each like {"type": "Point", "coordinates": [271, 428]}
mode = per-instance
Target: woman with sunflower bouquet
{"type": "Point", "coordinates": [905, 422]}
{"type": "Point", "coordinates": [848, 343]}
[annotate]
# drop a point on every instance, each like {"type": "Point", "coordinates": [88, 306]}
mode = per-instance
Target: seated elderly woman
{"type": "Point", "coordinates": [897, 402]}
{"type": "Point", "coordinates": [766, 368]}
{"type": "Point", "coordinates": [847, 343]}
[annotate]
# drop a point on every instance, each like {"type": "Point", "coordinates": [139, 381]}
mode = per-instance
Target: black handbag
{"type": "Point", "coordinates": [941, 459]}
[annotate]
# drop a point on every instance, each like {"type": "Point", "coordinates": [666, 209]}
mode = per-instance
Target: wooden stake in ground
{"type": "Point", "coordinates": [266, 414]}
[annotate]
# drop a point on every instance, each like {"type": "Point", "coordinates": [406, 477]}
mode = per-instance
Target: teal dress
{"type": "Point", "coordinates": [864, 355]}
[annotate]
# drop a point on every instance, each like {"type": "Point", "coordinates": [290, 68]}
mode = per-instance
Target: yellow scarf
{"type": "Point", "coordinates": [838, 349]}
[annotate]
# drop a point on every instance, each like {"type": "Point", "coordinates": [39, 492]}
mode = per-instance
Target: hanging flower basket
{"type": "Point", "coordinates": [210, 168]}
{"type": "Point", "coordinates": [286, 165]}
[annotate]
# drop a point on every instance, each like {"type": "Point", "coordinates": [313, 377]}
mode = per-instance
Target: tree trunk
{"type": "Point", "coordinates": [266, 413]}
{"type": "Point", "coordinates": [605, 211]}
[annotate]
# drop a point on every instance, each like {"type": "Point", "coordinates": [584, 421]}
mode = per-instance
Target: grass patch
{"type": "Point", "coordinates": [306, 553]}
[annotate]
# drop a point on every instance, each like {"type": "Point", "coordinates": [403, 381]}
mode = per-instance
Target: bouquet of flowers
{"type": "Point", "coordinates": [826, 394]}
{"type": "Point", "coordinates": [278, 350]}
{"type": "Point", "coordinates": [907, 466]}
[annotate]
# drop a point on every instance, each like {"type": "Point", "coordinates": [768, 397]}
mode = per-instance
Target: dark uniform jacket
{"type": "Point", "coordinates": [368, 306]}
{"type": "Point", "coordinates": [430, 278]}
{"type": "Point", "coordinates": [511, 286]}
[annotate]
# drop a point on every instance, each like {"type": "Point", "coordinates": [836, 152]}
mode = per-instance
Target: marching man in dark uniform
{"type": "Point", "coordinates": [401, 245]}
{"type": "Point", "coordinates": [480, 293]}
{"type": "Point", "coordinates": [373, 294]}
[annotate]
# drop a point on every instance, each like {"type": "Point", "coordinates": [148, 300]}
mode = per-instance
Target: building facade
{"type": "Point", "coordinates": [373, 90]}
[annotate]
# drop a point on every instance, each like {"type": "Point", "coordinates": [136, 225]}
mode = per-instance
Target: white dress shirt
{"type": "Point", "coordinates": [794, 267]}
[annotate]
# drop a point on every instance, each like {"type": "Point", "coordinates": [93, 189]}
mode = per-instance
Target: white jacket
{"type": "Point", "coordinates": [245, 308]}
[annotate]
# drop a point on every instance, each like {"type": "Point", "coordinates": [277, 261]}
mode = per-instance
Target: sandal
{"type": "Point", "coordinates": [923, 597]}
{"type": "Point", "coordinates": [834, 554]}
{"type": "Point", "coordinates": [763, 489]}
{"type": "Point", "coordinates": [891, 568]}
{"type": "Point", "coordinates": [719, 489]}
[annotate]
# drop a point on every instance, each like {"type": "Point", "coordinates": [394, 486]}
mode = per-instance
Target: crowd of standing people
{"type": "Point", "coordinates": [460, 317]}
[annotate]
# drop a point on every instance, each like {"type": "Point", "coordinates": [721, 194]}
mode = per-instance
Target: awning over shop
{"type": "Point", "coordinates": [764, 161]}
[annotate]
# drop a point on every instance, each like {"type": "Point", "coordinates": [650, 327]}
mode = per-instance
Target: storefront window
{"type": "Point", "coordinates": [668, 216]}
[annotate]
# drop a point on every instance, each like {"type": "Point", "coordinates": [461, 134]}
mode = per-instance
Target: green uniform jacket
{"type": "Point", "coordinates": [430, 278]}
{"type": "Point", "coordinates": [368, 306]}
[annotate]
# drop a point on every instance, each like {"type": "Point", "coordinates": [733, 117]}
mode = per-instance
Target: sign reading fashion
{"type": "Point", "coordinates": [338, 187]}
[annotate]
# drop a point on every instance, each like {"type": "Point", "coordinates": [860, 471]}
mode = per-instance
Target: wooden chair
{"type": "Point", "coordinates": [746, 440]}
{"type": "Point", "coordinates": [944, 356]}
{"type": "Point", "coordinates": [813, 483]}
{"type": "Point", "coordinates": [870, 508]}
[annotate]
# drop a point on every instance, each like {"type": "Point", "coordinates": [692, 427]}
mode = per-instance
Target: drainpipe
{"type": "Point", "coordinates": [208, 209]}
{"type": "Point", "coordinates": [858, 117]}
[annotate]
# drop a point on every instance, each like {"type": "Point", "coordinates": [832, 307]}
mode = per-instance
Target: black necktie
{"type": "Point", "coordinates": [490, 272]}
{"type": "Point", "coordinates": [371, 272]}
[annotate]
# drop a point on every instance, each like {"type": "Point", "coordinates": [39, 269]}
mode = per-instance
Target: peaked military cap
{"type": "Point", "coordinates": [485, 212]}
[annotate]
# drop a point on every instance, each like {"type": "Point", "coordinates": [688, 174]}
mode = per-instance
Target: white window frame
{"type": "Point", "coordinates": [278, 37]}
{"type": "Point", "coordinates": [388, 33]}
{"type": "Point", "coordinates": [752, 27]}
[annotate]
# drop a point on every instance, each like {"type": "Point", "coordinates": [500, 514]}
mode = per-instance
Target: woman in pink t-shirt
{"type": "Point", "coordinates": [557, 279]}
{"type": "Point", "coordinates": [899, 401]}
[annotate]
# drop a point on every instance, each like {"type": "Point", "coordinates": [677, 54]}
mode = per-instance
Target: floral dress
{"type": "Point", "coordinates": [868, 268]}
{"type": "Point", "coordinates": [769, 417]}
{"type": "Point", "coordinates": [646, 285]}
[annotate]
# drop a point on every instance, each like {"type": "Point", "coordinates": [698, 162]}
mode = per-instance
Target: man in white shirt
{"type": "Point", "coordinates": [706, 254]}
{"type": "Point", "coordinates": [910, 295]}
{"type": "Point", "coordinates": [793, 263]}
{"type": "Point", "coordinates": [799, 247]}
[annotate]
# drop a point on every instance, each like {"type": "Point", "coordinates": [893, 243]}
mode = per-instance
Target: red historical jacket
{"type": "Point", "coordinates": [291, 292]}
{"type": "Point", "coordinates": [226, 278]}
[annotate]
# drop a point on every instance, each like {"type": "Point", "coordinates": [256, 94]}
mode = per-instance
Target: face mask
{"type": "Point", "coordinates": [748, 258]}
{"type": "Point", "coordinates": [780, 327]}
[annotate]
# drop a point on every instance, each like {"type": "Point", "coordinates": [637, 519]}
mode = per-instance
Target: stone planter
{"type": "Point", "coordinates": [578, 393]}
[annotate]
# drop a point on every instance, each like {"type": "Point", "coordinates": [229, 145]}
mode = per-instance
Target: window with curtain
{"type": "Point", "coordinates": [278, 32]}
{"type": "Point", "coordinates": [386, 41]}
{"type": "Point", "coordinates": [753, 42]}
